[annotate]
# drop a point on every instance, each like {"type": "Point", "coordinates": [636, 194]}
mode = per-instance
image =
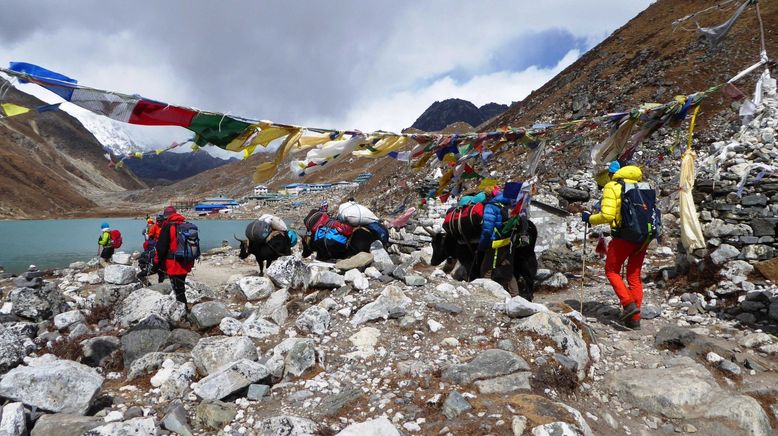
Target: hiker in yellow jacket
{"type": "Point", "coordinates": [621, 250]}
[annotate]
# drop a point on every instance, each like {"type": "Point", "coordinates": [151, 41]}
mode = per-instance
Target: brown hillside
{"type": "Point", "coordinates": [235, 179]}
{"type": "Point", "coordinates": [51, 166]}
{"type": "Point", "coordinates": [647, 61]}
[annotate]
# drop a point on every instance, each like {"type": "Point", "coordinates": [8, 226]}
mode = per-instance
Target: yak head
{"type": "Point", "coordinates": [307, 248]}
{"type": "Point", "coordinates": [244, 247]}
{"type": "Point", "coordinates": [441, 250]}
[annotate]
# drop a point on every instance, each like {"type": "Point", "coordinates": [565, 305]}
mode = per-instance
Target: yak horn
{"type": "Point", "coordinates": [429, 230]}
{"type": "Point", "coordinates": [237, 239]}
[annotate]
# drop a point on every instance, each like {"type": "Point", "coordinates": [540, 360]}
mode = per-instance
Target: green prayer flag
{"type": "Point", "coordinates": [216, 129]}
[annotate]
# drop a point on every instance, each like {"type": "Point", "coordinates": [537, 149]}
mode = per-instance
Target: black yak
{"type": "Point", "coordinates": [265, 249]}
{"type": "Point", "coordinates": [336, 240]}
{"type": "Point", "coordinates": [524, 262]}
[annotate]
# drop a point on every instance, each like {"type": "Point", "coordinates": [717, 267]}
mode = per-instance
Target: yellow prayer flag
{"type": "Point", "coordinates": [314, 140]}
{"type": "Point", "coordinates": [265, 170]}
{"type": "Point", "coordinates": [487, 184]}
{"type": "Point", "coordinates": [11, 109]}
{"type": "Point", "coordinates": [259, 134]}
{"type": "Point", "coordinates": [383, 147]}
{"type": "Point", "coordinates": [138, 155]}
{"type": "Point", "coordinates": [443, 182]}
{"type": "Point", "coordinates": [450, 158]}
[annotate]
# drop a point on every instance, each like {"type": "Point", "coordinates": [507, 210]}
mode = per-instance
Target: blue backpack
{"type": "Point", "coordinates": [292, 237]}
{"type": "Point", "coordinates": [641, 220]}
{"type": "Point", "coordinates": [330, 235]}
{"type": "Point", "coordinates": [187, 243]}
{"type": "Point", "coordinates": [380, 231]}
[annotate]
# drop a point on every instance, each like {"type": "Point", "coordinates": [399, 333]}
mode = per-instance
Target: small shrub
{"type": "Point", "coordinates": [67, 348]}
{"type": "Point", "coordinates": [99, 313]}
{"type": "Point", "coordinates": [564, 380]}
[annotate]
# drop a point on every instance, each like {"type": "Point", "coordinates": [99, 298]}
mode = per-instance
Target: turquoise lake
{"type": "Point", "coordinates": [52, 244]}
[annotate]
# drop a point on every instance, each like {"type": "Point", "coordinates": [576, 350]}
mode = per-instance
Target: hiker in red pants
{"type": "Point", "coordinates": [630, 240]}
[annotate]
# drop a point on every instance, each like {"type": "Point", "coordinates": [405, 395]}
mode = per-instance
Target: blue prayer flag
{"type": "Point", "coordinates": [55, 82]}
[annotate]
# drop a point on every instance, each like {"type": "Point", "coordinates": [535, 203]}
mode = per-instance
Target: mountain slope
{"type": "Point", "coordinates": [646, 60]}
{"type": "Point", "coordinates": [167, 168]}
{"type": "Point", "coordinates": [50, 165]}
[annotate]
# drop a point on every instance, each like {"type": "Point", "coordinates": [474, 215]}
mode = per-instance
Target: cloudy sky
{"type": "Point", "coordinates": [344, 64]}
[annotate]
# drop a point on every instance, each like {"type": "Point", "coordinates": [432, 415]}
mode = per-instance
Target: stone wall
{"type": "Point", "coordinates": [743, 214]}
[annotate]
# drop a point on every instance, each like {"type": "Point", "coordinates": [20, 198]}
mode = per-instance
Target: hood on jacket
{"type": "Point", "coordinates": [499, 198]}
{"type": "Point", "coordinates": [629, 173]}
{"type": "Point", "coordinates": [175, 218]}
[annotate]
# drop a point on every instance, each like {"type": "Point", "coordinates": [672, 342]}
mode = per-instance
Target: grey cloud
{"type": "Point", "coordinates": [289, 61]}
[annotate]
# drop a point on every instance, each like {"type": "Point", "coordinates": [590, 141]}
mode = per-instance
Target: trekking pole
{"type": "Point", "coordinates": [583, 265]}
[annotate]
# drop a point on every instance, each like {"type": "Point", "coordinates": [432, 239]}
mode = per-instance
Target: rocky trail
{"type": "Point", "coordinates": [377, 344]}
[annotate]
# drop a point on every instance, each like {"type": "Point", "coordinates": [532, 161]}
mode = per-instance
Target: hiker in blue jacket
{"type": "Point", "coordinates": [494, 211]}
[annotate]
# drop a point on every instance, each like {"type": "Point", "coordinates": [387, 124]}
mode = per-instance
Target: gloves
{"type": "Point", "coordinates": [585, 216]}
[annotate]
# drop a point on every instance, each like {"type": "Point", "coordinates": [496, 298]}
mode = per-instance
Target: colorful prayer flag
{"type": "Point", "coordinates": [10, 109]}
{"type": "Point", "coordinates": [55, 82]}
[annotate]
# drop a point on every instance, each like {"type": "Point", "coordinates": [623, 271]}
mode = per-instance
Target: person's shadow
{"type": "Point", "coordinates": [605, 314]}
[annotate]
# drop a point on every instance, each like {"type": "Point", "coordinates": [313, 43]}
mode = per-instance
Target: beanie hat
{"type": "Point", "coordinates": [614, 166]}
{"type": "Point", "coordinates": [170, 210]}
{"type": "Point", "coordinates": [104, 226]}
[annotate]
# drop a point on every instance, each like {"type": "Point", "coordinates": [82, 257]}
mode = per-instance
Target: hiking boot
{"type": "Point", "coordinates": [633, 324]}
{"type": "Point", "coordinates": [628, 310]}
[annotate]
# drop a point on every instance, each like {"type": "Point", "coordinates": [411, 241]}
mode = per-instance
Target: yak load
{"type": "Point", "coordinates": [267, 238]}
{"type": "Point", "coordinates": [352, 231]}
{"type": "Point", "coordinates": [490, 235]}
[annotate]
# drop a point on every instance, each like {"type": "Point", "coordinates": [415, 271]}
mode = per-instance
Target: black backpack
{"type": "Point", "coordinates": [258, 231]}
{"type": "Point", "coordinates": [641, 220]}
{"type": "Point", "coordinates": [187, 243]}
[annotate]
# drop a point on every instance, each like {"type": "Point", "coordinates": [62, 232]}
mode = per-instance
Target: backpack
{"type": "Point", "coordinates": [292, 237]}
{"type": "Point", "coordinates": [187, 243]}
{"type": "Point", "coordinates": [116, 238]}
{"type": "Point", "coordinates": [258, 230]}
{"type": "Point", "coordinates": [464, 222]}
{"type": "Point", "coordinates": [331, 235]}
{"type": "Point", "coordinates": [641, 220]}
{"type": "Point", "coordinates": [315, 219]}
{"type": "Point", "coordinates": [341, 227]}
{"type": "Point", "coordinates": [380, 231]}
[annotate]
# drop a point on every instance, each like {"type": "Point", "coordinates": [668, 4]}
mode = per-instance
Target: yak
{"type": "Point", "coordinates": [265, 250]}
{"type": "Point", "coordinates": [360, 239]}
{"type": "Point", "coordinates": [524, 262]}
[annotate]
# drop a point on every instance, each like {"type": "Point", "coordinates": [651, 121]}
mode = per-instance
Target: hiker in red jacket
{"type": "Point", "coordinates": [167, 244]}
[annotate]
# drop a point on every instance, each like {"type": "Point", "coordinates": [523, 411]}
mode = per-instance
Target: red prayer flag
{"type": "Point", "coordinates": [152, 113]}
